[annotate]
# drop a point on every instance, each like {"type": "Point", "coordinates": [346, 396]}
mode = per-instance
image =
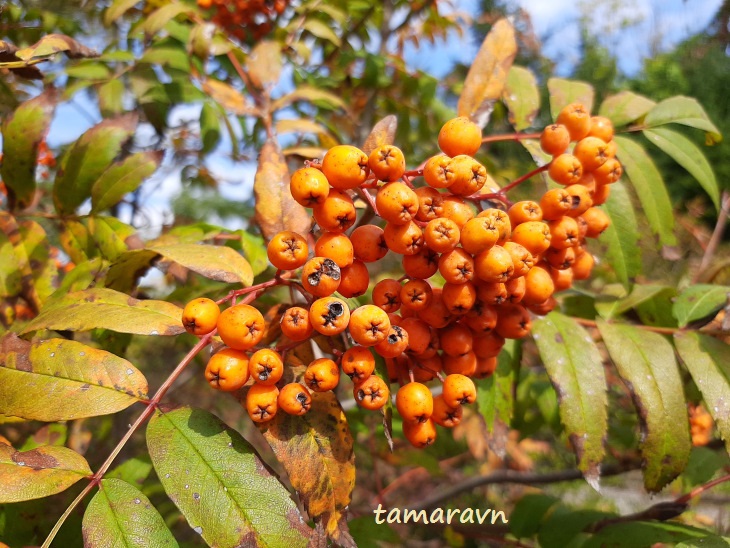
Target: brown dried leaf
{"type": "Point", "coordinates": [55, 43]}
{"type": "Point", "coordinates": [383, 133]}
{"type": "Point", "coordinates": [276, 210]}
{"type": "Point", "coordinates": [488, 73]}
{"type": "Point", "coordinates": [264, 64]}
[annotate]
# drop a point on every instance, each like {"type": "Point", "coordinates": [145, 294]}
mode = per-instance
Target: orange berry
{"type": "Point", "coordinates": [564, 233]}
{"type": "Point", "coordinates": [555, 203]}
{"type": "Point", "coordinates": [513, 322]}
{"type": "Point", "coordinates": [294, 399]}
{"type": "Point", "coordinates": [358, 363]}
{"type": "Point", "coordinates": [464, 364]}
{"type": "Point", "coordinates": [494, 265]}
{"type": "Point", "coordinates": [436, 315]}
{"type": "Point", "coordinates": [479, 234]}
{"type": "Point", "coordinates": [422, 265]}
{"type": "Point", "coordinates": [394, 344]}
{"type": "Point", "coordinates": [441, 235]}
{"type": "Point", "coordinates": [227, 370]}
{"type": "Point", "coordinates": [486, 367]}
{"type": "Point", "coordinates": [321, 276]}
{"type": "Point", "coordinates": [386, 294]}
{"type": "Point", "coordinates": [241, 326]}
{"type": "Point", "coordinates": [460, 136]}
{"type": "Point", "coordinates": [515, 289]}
{"type": "Point", "coordinates": [437, 171]}
{"type": "Point", "coordinates": [563, 278]}
{"type": "Point", "coordinates": [329, 316]}
{"type": "Point", "coordinates": [565, 169]}
{"type": "Point", "coordinates": [414, 402]}
{"type": "Point", "coordinates": [266, 366]}
{"type": "Point", "coordinates": [583, 266]}
{"type": "Point", "coordinates": [580, 198]}
{"type": "Point", "coordinates": [430, 203]}
{"type": "Point", "coordinates": [444, 415]}
{"type": "Point", "coordinates": [354, 280]}
{"type": "Point", "coordinates": [368, 243]}
{"type": "Point", "coordinates": [609, 172]}
{"type": "Point", "coordinates": [387, 163]}
{"type": "Point", "coordinates": [459, 298]}
{"type": "Point", "coordinates": [335, 246]}
{"type": "Point", "coordinates": [591, 152]}
{"type": "Point", "coordinates": [420, 434]}
{"type": "Point", "coordinates": [488, 345]}
{"type": "Point", "coordinates": [539, 286]}
{"type": "Point", "coordinates": [336, 213]}
{"type": "Point", "coordinates": [576, 118]}
{"type": "Point", "coordinates": [499, 220]}
{"type": "Point", "coordinates": [396, 203]}
{"type": "Point", "coordinates": [491, 293]}
{"type": "Point", "coordinates": [597, 221]}
{"type": "Point", "coordinates": [309, 186]}
{"type": "Point", "coordinates": [554, 139]}
{"type": "Point", "coordinates": [295, 323]}
{"type": "Point", "coordinates": [368, 325]}
{"type": "Point", "coordinates": [560, 259]}
{"type": "Point", "coordinates": [322, 375]}
{"type": "Point", "coordinates": [287, 250]}
{"type": "Point", "coordinates": [458, 390]}
{"type": "Point", "coordinates": [262, 402]}
{"type": "Point", "coordinates": [200, 316]}
{"type": "Point", "coordinates": [533, 235]}
{"type": "Point", "coordinates": [468, 176]}
{"type": "Point", "coordinates": [602, 128]}
{"type": "Point", "coordinates": [481, 319]}
{"type": "Point", "coordinates": [522, 212]}
{"type": "Point", "coordinates": [456, 339]}
{"type": "Point", "coordinates": [419, 335]}
{"type": "Point", "coordinates": [345, 167]}
{"type": "Point", "coordinates": [456, 209]}
{"type": "Point", "coordinates": [404, 239]}
{"type": "Point", "coordinates": [456, 266]}
{"type": "Point", "coordinates": [416, 294]}
{"type": "Point", "coordinates": [522, 259]}
{"type": "Point", "coordinates": [372, 393]}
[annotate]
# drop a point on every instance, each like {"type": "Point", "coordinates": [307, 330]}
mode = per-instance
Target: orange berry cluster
{"type": "Point", "coordinates": [473, 277]}
{"type": "Point", "coordinates": [245, 19]}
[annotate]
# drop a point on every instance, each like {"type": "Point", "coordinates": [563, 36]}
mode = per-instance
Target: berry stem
{"type": "Point", "coordinates": [152, 405]}
{"type": "Point", "coordinates": [684, 499]}
{"type": "Point", "coordinates": [369, 199]}
{"type": "Point", "coordinates": [524, 178]}
{"type": "Point", "coordinates": [510, 137]}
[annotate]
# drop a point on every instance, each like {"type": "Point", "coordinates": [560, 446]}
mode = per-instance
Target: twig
{"type": "Point", "coordinates": [717, 234]}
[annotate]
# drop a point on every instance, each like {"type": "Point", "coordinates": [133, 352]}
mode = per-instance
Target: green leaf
{"type": "Point", "coordinates": [168, 56]}
{"type": "Point", "coordinates": [88, 158]}
{"type": "Point", "coordinates": [212, 261]}
{"type": "Point", "coordinates": [108, 309]}
{"type": "Point", "coordinates": [58, 379]}
{"type": "Point", "coordinates": [370, 534]}
{"type": "Point", "coordinates": [219, 484]}
{"type": "Point", "coordinates": [111, 98]}
{"type": "Point", "coordinates": [522, 97]}
{"type": "Point", "coordinates": [640, 294]}
{"type": "Point", "coordinates": [622, 236]}
{"type": "Point", "coordinates": [524, 521]}
{"type": "Point", "coordinates": [710, 541]}
{"type": "Point", "coordinates": [689, 156]}
{"type": "Point", "coordinates": [134, 470]}
{"type": "Point", "coordinates": [495, 397]}
{"type": "Point", "coordinates": [117, 9]}
{"type": "Point", "coordinates": [38, 473]}
{"type": "Point", "coordinates": [708, 361]}
{"type": "Point", "coordinates": [625, 107]}
{"type": "Point", "coordinates": [76, 241]}
{"type": "Point", "coordinates": [640, 534]}
{"type": "Point", "coordinates": [210, 132]}
{"type": "Point", "coordinates": [564, 526]}
{"type": "Point", "coordinates": [120, 515]}
{"type": "Point", "coordinates": [321, 30]}
{"type": "Point", "coordinates": [699, 301]}
{"type": "Point", "coordinates": [649, 187]}
{"type": "Point", "coordinates": [123, 177]}
{"type": "Point", "coordinates": [10, 269]}
{"type": "Point", "coordinates": [645, 361]}
{"type": "Point", "coordinates": [54, 433]}
{"type": "Point", "coordinates": [575, 368]}
{"type": "Point", "coordinates": [109, 235]}
{"type": "Point", "coordinates": [21, 132]}
{"type": "Point", "coordinates": [683, 110]}
{"type": "Point", "coordinates": [89, 71]}
{"type": "Point", "coordinates": [254, 249]}
{"type": "Point", "coordinates": [127, 268]}
{"type": "Point", "coordinates": [155, 21]}
{"type": "Point", "coordinates": [564, 92]}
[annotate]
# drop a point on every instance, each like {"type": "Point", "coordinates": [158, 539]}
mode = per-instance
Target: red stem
{"type": "Point", "coordinates": [510, 137]}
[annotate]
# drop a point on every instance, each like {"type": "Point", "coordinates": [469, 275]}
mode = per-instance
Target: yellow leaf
{"type": "Point", "coordinates": [383, 133]}
{"type": "Point", "coordinates": [228, 97]}
{"type": "Point", "coordinates": [488, 74]}
{"type": "Point", "coordinates": [264, 64]}
{"type": "Point", "coordinates": [276, 210]}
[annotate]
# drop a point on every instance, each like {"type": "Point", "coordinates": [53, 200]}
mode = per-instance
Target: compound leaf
{"type": "Point", "coordinates": [646, 363]}
{"type": "Point", "coordinates": [120, 515]}
{"type": "Point", "coordinates": [58, 379]}
{"type": "Point", "coordinates": [522, 97]}
{"type": "Point", "coordinates": [219, 484]}
{"type": "Point", "coordinates": [699, 301]}
{"type": "Point", "coordinates": [123, 177]}
{"type": "Point", "coordinates": [212, 261]}
{"type": "Point", "coordinates": [575, 368]}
